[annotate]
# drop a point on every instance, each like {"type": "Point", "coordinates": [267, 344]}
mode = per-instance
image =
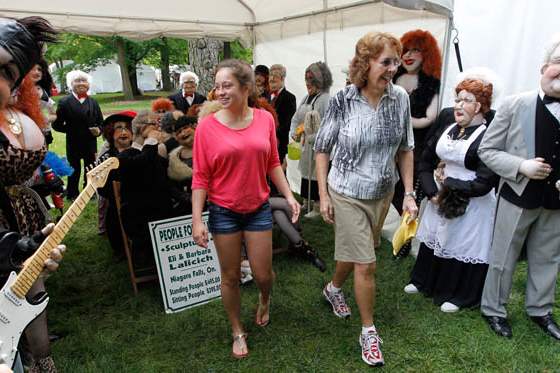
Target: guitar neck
{"type": "Point", "coordinates": [34, 266]}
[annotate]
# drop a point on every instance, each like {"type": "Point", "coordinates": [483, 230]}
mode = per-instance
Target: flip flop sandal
{"type": "Point", "coordinates": [267, 322]}
{"type": "Point", "coordinates": [240, 338]}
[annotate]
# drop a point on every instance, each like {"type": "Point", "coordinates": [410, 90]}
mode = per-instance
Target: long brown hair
{"type": "Point", "coordinates": [243, 72]}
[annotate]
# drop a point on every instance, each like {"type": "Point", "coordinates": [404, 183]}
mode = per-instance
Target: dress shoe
{"type": "Point", "coordinates": [499, 325]}
{"type": "Point", "coordinates": [548, 324]}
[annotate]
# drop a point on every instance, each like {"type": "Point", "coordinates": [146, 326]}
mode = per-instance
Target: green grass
{"type": "Point", "coordinates": [107, 329]}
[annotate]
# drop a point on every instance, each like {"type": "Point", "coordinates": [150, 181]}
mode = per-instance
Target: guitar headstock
{"type": "Point", "coordinates": [97, 177]}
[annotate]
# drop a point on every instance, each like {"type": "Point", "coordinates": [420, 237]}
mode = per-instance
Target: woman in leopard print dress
{"type": "Point", "coordinates": [22, 149]}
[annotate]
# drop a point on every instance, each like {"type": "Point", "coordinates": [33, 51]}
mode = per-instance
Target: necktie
{"type": "Point", "coordinates": [82, 95]}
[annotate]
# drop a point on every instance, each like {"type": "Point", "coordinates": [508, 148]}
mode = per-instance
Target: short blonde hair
{"type": "Point", "coordinates": [370, 46]}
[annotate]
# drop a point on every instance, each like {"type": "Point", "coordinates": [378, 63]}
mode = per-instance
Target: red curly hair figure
{"type": "Point", "coordinates": [419, 75]}
{"type": "Point", "coordinates": [426, 44]}
{"type": "Point", "coordinates": [162, 105]}
{"type": "Point", "coordinates": [27, 101]}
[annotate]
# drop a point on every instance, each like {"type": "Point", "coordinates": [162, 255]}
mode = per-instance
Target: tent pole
{"type": "Point", "coordinates": [443, 83]}
{"type": "Point", "coordinates": [325, 7]}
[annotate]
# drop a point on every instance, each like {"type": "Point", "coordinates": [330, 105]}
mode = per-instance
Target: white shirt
{"type": "Point", "coordinates": [189, 99]}
{"type": "Point", "coordinates": [553, 107]}
{"type": "Point", "coordinates": [273, 96]}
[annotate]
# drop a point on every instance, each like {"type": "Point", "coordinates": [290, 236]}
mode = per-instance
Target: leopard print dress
{"type": "Point", "coordinates": [16, 167]}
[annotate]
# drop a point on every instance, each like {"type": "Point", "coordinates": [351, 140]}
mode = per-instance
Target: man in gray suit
{"type": "Point", "coordinates": [522, 147]}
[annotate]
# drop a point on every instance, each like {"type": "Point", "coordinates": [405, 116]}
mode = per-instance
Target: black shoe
{"type": "Point", "coordinates": [302, 248]}
{"type": "Point", "coordinates": [547, 324]}
{"type": "Point", "coordinates": [499, 325]}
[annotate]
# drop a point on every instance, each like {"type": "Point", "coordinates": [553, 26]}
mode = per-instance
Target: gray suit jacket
{"type": "Point", "coordinates": [511, 139]}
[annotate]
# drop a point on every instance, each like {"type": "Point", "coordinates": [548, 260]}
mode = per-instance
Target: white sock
{"type": "Point", "coordinates": [367, 329]}
{"type": "Point", "coordinates": [332, 289]}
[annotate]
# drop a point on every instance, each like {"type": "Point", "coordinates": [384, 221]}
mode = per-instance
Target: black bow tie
{"type": "Point", "coordinates": [549, 99]}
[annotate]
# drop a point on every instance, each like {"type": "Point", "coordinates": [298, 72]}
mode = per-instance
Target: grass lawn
{"type": "Point", "coordinates": [107, 329]}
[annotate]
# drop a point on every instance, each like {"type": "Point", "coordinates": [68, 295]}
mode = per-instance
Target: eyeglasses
{"type": "Point", "coordinates": [465, 100]}
{"type": "Point", "coordinates": [121, 127]}
{"type": "Point", "coordinates": [390, 61]}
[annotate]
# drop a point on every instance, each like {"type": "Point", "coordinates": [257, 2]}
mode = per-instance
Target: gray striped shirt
{"type": "Point", "coordinates": [365, 141]}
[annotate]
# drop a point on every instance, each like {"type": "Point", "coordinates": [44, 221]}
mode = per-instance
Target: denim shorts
{"type": "Point", "coordinates": [223, 220]}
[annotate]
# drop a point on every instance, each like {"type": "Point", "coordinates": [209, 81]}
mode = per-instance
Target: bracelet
{"type": "Point", "coordinates": [410, 194]}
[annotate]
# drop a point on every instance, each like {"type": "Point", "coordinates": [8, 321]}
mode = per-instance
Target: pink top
{"type": "Point", "coordinates": [231, 165]}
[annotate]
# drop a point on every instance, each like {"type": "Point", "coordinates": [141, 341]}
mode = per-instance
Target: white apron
{"type": "Point", "coordinates": [466, 238]}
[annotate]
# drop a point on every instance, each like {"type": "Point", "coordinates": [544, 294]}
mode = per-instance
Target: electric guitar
{"type": "Point", "coordinates": [16, 312]}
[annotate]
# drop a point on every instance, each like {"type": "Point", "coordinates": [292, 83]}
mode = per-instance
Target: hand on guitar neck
{"type": "Point", "coordinates": [55, 256]}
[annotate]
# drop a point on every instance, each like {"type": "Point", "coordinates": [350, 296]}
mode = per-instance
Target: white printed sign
{"type": "Point", "coordinates": [189, 275]}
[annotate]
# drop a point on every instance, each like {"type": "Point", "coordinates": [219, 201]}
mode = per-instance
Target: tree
{"type": "Point", "coordinates": [86, 52]}
{"type": "Point", "coordinates": [240, 52]}
{"type": "Point", "coordinates": [170, 51]}
{"type": "Point", "coordinates": [204, 55]}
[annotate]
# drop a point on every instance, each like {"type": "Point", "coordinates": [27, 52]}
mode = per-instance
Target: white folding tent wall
{"type": "Point", "coordinates": [331, 36]}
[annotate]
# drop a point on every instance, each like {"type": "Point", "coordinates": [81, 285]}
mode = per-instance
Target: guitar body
{"type": "Point", "coordinates": [15, 315]}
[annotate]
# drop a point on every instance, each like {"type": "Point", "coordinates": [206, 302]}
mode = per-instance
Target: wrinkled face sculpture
{"type": "Point", "coordinates": [80, 86]}
{"type": "Point", "coordinates": [276, 80]}
{"type": "Point", "coordinates": [122, 135]}
{"type": "Point", "coordinates": [185, 136]}
{"type": "Point", "coordinates": [550, 79]}
{"type": "Point", "coordinates": [466, 107]}
{"type": "Point", "coordinates": [189, 86]}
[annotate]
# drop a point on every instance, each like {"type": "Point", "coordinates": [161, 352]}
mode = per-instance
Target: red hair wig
{"type": "Point", "coordinates": [481, 91]}
{"type": "Point", "coordinates": [427, 44]}
{"type": "Point", "coordinates": [193, 110]}
{"type": "Point", "coordinates": [28, 102]}
{"type": "Point", "coordinates": [263, 104]}
{"type": "Point", "coordinates": [162, 104]}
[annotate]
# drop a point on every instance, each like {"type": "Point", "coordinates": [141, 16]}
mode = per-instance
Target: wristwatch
{"type": "Point", "coordinates": [410, 194]}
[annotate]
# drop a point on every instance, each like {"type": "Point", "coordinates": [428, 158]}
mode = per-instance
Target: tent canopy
{"type": "Point", "coordinates": [224, 19]}
{"type": "Point", "coordinates": [291, 32]}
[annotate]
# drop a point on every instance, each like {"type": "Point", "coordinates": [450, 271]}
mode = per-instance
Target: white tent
{"type": "Point", "coordinates": [107, 78]}
{"type": "Point", "coordinates": [292, 32]}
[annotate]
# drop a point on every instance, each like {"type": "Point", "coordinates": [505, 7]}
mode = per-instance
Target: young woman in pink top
{"type": "Point", "coordinates": [234, 151]}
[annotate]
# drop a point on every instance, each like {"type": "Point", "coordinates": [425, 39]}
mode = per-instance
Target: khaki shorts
{"type": "Point", "coordinates": [358, 224]}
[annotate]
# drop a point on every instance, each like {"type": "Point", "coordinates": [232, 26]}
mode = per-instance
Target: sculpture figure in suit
{"type": "Point", "coordinates": [522, 147]}
{"type": "Point", "coordinates": [284, 102]}
{"type": "Point", "coordinates": [187, 95]}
